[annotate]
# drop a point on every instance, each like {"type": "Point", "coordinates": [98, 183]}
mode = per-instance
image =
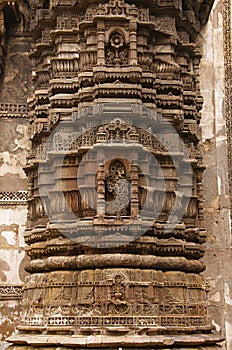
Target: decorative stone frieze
{"type": "Point", "coordinates": [13, 110]}
{"type": "Point", "coordinates": [13, 198]}
{"type": "Point", "coordinates": [10, 292]}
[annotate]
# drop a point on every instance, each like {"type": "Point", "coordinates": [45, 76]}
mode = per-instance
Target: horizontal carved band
{"type": "Point", "coordinates": [107, 341]}
{"type": "Point", "coordinates": [115, 321]}
{"type": "Point", "coordinates": [10, 292]}
{"type": "Point", "coordinates": [16, 110]}
{"type": "Point", "coordinates": [12, 198]}
{"type": "Point", "coordinates": [116, 260]}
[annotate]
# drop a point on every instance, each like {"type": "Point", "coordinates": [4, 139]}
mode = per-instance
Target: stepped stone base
{"type": "Point", "coordinates": [190, 342]}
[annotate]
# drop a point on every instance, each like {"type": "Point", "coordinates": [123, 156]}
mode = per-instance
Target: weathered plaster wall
{"type": "Point", "coordinates": [13, 213]}
{"type": "Point", "coordinates": [13, 148]}
{"type": "Point", "coordinates": [218, 258]}
{"type": "Point", "coordinates": [13, 181]}
{"type": "Point", "coordinates": [12, 260]}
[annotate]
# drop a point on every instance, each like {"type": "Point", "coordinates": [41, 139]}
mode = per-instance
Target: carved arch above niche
{"type": "Point", "coordinates": [116, 29]}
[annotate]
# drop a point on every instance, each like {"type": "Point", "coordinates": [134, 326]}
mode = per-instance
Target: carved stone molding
{"type": "Point", "coordinates": [13, 110]}
{"type": "Point", "coordinates": [10, 292]}
{"type": "Point", "coordinates": [13, 198]}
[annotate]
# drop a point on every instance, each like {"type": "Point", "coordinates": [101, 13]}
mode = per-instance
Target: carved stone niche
{"type": "Point", "coordinates": [117, 50]}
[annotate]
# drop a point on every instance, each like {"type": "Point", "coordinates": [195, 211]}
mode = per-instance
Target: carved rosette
{"type": "Point", "coordinates": [111, 81]}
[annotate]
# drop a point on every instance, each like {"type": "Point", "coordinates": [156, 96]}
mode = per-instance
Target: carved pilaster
{"type": "Point", "coordinates": [101, 42]}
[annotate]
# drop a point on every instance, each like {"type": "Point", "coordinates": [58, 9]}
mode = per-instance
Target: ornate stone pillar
{"type": "Point", "coordinates": [115, 253]}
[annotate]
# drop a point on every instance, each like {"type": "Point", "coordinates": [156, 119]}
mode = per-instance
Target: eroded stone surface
{"type": "Point", "coordinates": [77, 67]}
{"type": "Point", "coordinates": [14, 87]}
{"type": "Point", "coordinates": [217, 203]}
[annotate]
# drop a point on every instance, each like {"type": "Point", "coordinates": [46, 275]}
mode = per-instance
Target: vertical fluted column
{"type": "Point", "coordinates": [134, 190]}
{"type": "Point", "coordinates": [100, 190]}
{"type": "Point", "coordinates": [133, 42]}
{"type": "Point", "coordinates": [101, 43]}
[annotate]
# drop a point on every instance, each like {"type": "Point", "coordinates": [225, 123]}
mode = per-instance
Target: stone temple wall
{"type": "Point", "coordinates": [218, 256]}
{"type": "Point", "coordinates": [14, 144]}
{"type": "Point", "coordinates": [15, 87]}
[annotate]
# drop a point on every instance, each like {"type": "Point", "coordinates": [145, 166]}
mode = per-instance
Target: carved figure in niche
{"type": "Point", "coordinates": [118, 290]}
{"type": "Point", "coordinates": [168, 296]}
{"type": "Point", "coordinates": [39, 301]}
{"type": "Point", "coordinates": [117, 51]}
{"type": "Point", "coordinates": [141, 295]}
{"type": "Point", "coordinates": [61, 294]}
{"type": "Point", "coordinates": [117, 190]}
